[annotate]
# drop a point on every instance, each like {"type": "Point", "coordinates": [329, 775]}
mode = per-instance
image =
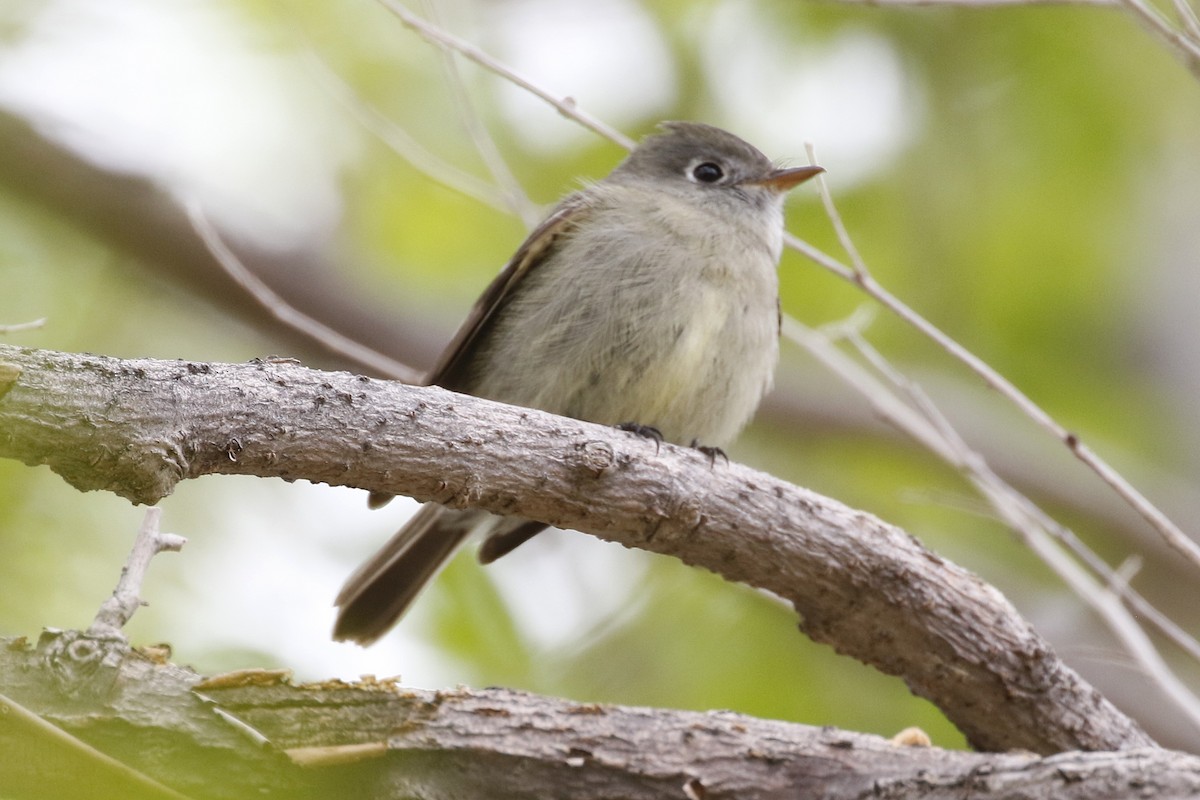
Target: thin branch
{"type": "Point", "coordinates": [126, 597]}
{"type": "Point", "coordinates": [400, 142]}
{"type": "Point", "coordinates": [565, 105]}
{"type": "Point", "coordinates": [1185, 48]}
{"type": "Point", "coordinates": [288, 314]}
{"type": "Point", "coordinates": [921, 429]}
{"type": "Point", "coordinates": [1030, 522]}
{"type": "Point", "coordinates": [1189, 18]}
{"type": "Point", "coordinates": [861, 276]}
{"type": "Point", "coordinates": [1184, 45]}
{"type": "Point", "coordinates": [982, 3]}
{"type": "Point", "coordinates": [858, 265]}
{"type": "Point", "coordinates": [23, 326]}
{"type": "Point", "coordinates": [1106, 601]}
{"type": "Point", "coordinates": [1035, 528]}
{"type": "Point", "coordinates": [518, 202]}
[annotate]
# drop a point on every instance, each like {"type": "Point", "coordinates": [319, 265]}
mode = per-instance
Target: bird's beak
{"type": "Point", "coordinates": [783, 180]}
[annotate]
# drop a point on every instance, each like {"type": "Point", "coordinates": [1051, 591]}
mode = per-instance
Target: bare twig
{"type": "Point", "coordinates": [921, 419]}
{"type": "Point", "coordinates": [929, 427]}
{"type": "Point", "coordinates": [1106, 601]}
{"type": "Point", "coordinates": [1185, 48]}
{"type": "Point", "coordinates": [861, 276]}
{"type": "Point", "coordinates": [1184, 45]}
{"type": "Point", "coordinates": [404, 145]}
{"type": "Point", "coordinates": [23, 326]}
{"type": "Point", "coordinates": [518, 202]}
{"type": "Point", "coordinates": [565, 105]}
{"type": "Point", "coordinates": [858, 266]}
{"type": "Point", "coordinates": [1189, 18]}
{"type": "Point", "coordinates": [126, 597]}
{"type": "Point", "coordinates": [288, 314]}
{"type": "Point", "coordinates": [982, 3]}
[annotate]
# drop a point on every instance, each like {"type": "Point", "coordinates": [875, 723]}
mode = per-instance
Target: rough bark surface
{"type": "Point", "coordinates": [137, 427]}
{"type": "Point", "coordinates": [255, 734]}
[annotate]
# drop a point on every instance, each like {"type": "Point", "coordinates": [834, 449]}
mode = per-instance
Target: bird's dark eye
{"type": "Point", "coordinates": [707, 172]}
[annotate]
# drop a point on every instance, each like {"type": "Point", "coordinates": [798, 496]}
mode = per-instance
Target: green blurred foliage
{"type": "Point", "coordinates": [1018, 220]}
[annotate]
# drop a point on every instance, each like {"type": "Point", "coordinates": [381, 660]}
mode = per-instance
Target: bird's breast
{"type": "Point", "coordinates": [656, 316]}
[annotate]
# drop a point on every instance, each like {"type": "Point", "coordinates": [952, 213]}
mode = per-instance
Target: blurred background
{"type": "Point", "coordinates": [1025, 177]}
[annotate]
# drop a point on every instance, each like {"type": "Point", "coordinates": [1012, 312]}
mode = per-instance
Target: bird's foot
{"type": "Point", "coordinates": [645, 431]}
{"type": "Point", "coordinates": [711, 452]}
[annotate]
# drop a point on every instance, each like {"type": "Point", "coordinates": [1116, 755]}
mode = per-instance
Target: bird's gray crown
{"type": "Point", "coordinates": [682, 145]}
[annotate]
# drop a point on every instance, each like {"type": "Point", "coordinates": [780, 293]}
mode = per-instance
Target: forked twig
{"type": "Point", "coordinates": [919, 418]}
{"type": "Point", "coordinates": [861, 276]}
{"type": "Point", "coordinates": [126, 597]}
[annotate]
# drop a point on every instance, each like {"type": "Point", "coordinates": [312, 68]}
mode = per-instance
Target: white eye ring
{"type": "Point", "coordinates": [706, 172]}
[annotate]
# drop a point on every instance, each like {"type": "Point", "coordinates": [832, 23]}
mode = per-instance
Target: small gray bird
{"type": "Point", "coordinates": [647, 300]}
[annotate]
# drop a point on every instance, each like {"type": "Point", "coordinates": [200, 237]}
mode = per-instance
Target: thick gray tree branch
{"type": "Point", "coordinates": [138, 427]}
{"type": "Point", "coordinates": [255, 734]}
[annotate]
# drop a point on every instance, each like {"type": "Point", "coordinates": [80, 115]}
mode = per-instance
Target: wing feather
{"type": "Point", "coordinates": [452, 368]}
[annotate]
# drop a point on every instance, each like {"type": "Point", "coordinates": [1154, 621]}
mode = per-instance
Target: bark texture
{"type": "Point", "coordinates": [255, 734]}
{"type": "Point", "coordinates": [138, 427]}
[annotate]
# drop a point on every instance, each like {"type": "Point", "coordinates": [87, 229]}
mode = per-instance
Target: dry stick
{"type": "Point", "coordinates": [400, 142]}
{"type": "Point", "coordinates": [1107, 603]}
{"type": "Point", "coordinates": [1188, 49]}
{"type": "Point", "coordinates": [23, 326]}
{"type": "Point", "coordinates": [984, 3]}
{"type": "Point", "coordinates": [126, 597]}
{"type": "Point", "coordinates": [1023, 515]}
{"type": "Point", "coordinates": [1188, 17]}
{"type": "Point", "coordinates": [288, 314]}
{"type": "Point", "coordinates": [518, 202]}
{"type": "Point", "coordinates": [861, 276]}
{"type": "Point", "coordinates": [1183, 45]}
{"type": "Point", "coordinates": [565, 106]}
{"type": "Point", "coordinates": [940, 439]}
{"type": "Point", "coordinates": [1037, 530]}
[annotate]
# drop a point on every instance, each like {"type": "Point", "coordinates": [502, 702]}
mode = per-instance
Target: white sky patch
{"type": "Point", "coordinates": [265, 577]}
{"type": "Point", "coordinates": [169, 89]}
{"type": "Point", "coordinates": [850, 95]}
{"type": "Point", "coordinates": [609, 57]}
{"type": "Point", "coordinates": [563, 583]}
{"type": "Point", "coordinates": [266, 558]}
